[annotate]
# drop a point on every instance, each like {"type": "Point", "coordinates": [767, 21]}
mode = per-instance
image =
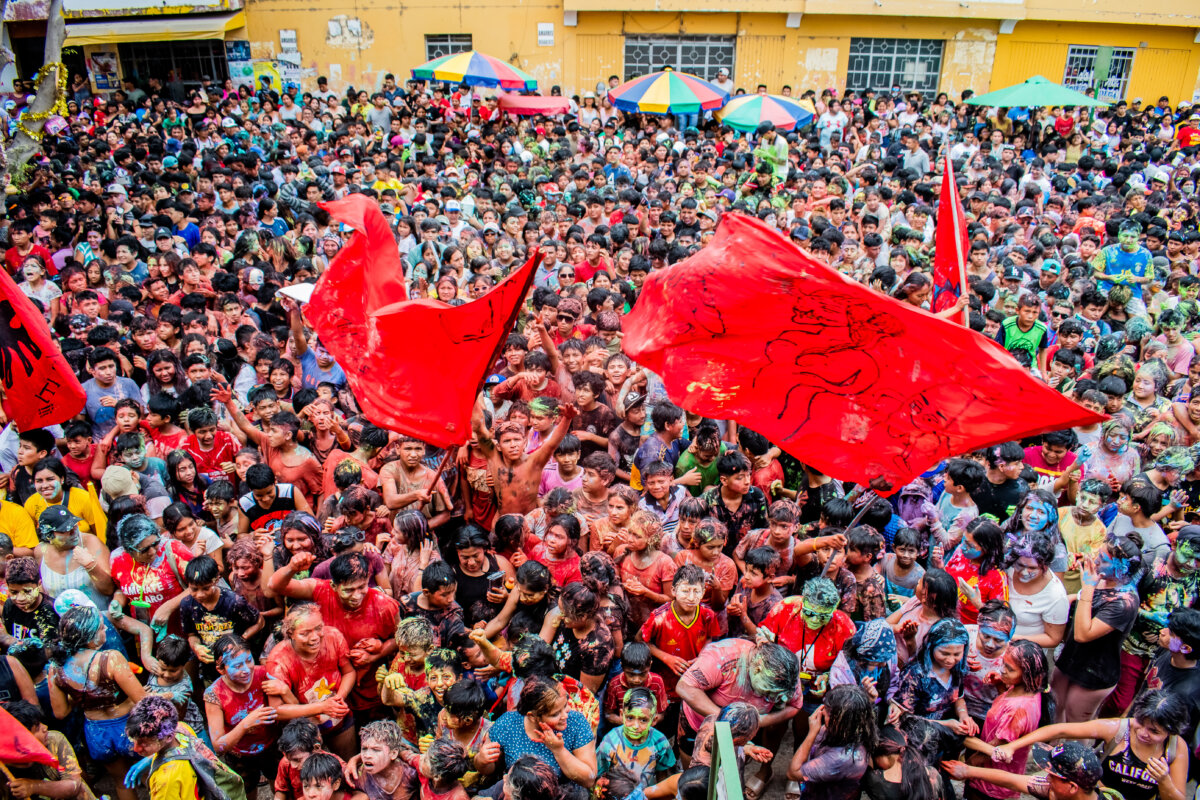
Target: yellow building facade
{"type": "Point", "coordinates": [1122, 49]}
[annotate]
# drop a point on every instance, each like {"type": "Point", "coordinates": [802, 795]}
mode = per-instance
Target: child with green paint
{"type": "Point", "coordinates": [636, 749]}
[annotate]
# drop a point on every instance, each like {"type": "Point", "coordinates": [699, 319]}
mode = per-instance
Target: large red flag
{"type": "Point", "coordinates": [40, 388]}
{"type": "Point", "coordinates": [850, 381]}
{"type": "Point", "coordinates": [19, 746]}
{"type": "Point", "coordinates": [950, 244]}
{"type": "Point", "coordinates": [415, 365]}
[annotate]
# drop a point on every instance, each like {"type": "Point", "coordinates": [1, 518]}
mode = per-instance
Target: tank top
{"type": "Point", "coordinates": [877, 787]}
{"type": "Point", "coordinates": [1124, 772]}
{"type": "Point", "coordinates": [55, 583]}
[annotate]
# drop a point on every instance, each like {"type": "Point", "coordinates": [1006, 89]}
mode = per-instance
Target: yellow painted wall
{"type": "Point", "coordinates": [814, 55]}
{"type": "Point", "coordinates": [1166, 60]}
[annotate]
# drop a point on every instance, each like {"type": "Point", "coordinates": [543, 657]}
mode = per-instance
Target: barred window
{"type": "Point", "coordinates": [443, 44]}
{"type": "Point", "coordinates": [699, 55]}
{"type": "Point", "coordinates": [880, 64]}
{"type": "Point", "coordinates": [1105, 69]}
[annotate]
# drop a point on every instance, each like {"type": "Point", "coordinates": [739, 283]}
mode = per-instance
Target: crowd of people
{"type": "Point", "coordinates": [220, 574]}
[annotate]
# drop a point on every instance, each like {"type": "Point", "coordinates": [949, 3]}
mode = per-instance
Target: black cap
{"type": "Point", "coordinates": [56, 519]}
{"type": "Point", "coordinates": [1077, 763]}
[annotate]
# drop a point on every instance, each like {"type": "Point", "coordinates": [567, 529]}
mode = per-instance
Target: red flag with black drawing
{"type": "Point", "coordinates": [950, 244]}
{"type": "Point", "coordinates": [415, 365]}
{"type": "Point", "coordinates": [40, 388]}
{"type": "Point", "coordinates": [849, 381]}
{"type": "Point", "coordinates": [19, 746]}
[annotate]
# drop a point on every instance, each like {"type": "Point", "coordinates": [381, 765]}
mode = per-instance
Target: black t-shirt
{"type": "Point", "coordinates": [997, 498]}
{"type": "Point", "coordinates": [626, 444]}
{"type": "Point", "coordinates": [1097, 664]}
{"type": "Point", "coordinates": [232, 614]}
{"type": "Point", "coordinates": [42, 622]}
{"type": "Point", "coordinates": [600, 420]}
{"type": "Point", "coordinates": [1183, 683]}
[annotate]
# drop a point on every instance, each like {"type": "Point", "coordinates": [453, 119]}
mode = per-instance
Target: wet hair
{"type": "Point", "coordinates": [31, 652]}
{"type": "Point", "coordinates": [321, 767]}
{"type": "Point", "coordinates": [531, 778]}
{"type": "Point", "coordinates": [414, 632]}
{"type": "Point", "coordinates": [23, 569]}
{"type": "Point", "coordinates": [636, 656]}
{"type": "Point", "coordinates": [639, 697]}
{"type": "Point", "coordinates": [742, 718]}
{"type": "Point", "coordinates": [914, 775]}
{"type": "Point", "coordinates": [201, 570]}
{"type": "Point", "coordinates": [708, 531]}
{"type": "Point", "coordinates": [435, 577]}
{"type": "Point", "coordinates": [941, 592]}
{"type": "Point", "coordinates": [1007, 452]}
{"type": "Point", "coordinates": [1035, 674]}
{"type": "Point", "coordinates": [990, 539]}
{"type": "Point", "coordinates": [533, 656]}
{"type": "Point", "coordinates": [764, 559]}
{"type": "Point", "coordinates": [849, 717]}
{"type": "Point", "coordinates": [173, 651]}
{"type": "Point", "coordinates": [229, 644]}
{"type": "Point", "coordinates": [731, 463]}
{"type": "Point", "coordinates": [650, 525]}
{"type": "Point", "coordinates": [349, 567]}
{"type": "Point", "coordinates": [244, 550]}
{"type": "Point", "coordinates": [693, 508]}
{"type": "Point", "coordinates": [580, 601]}
{"type": "Point", "coordinates": [444, 658]}
{"type": "Point", "coordinates": [296, 613]}
{"type": "Point", "coordinates": [154, 717]}
{"type": "Point", "coordinates": [412, 526]}
{"type": "Point", "coordinates": [966, 473]}
{"type": "Point", "coordinates": [1165, 709]}
{"type": "Point", "coordinates": [775, 664]}
{"type": "Point", "coordinates": [784, 511]}
{"type": "Point", "coordinates": [385, 732]}
{"type": "Point", "coordinates": [466, 699]}
{"type": "Point", "coordinates": [570, 526]}
{"type": "Point", "coordinates": [300, 736]}
{"type": "Point", "coordinates": [539, 694]}
{"type": "Point", "coordinates": [1185, 624]}
{"type": "Point", "coordinates": [76, 630]}
{"type": "Point", "coordinates": [693, 783]}
{"type": "Point", "coordinates": [1145, 495]}
{"type": "Point", "coordinates": [906, 537]}
{"type": "Point", "coordinates": [535, 576]}
{"type": "Point", "coordinates": [447, 761]}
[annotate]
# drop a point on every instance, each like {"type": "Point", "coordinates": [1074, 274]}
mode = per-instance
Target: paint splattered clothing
{"type": "Point", "coordinates": [617, 687]}
{"type": "Point", "coordinates": [817, 649]}
{"type": "Point", "coordinates": [990, 587]}
{"type": "Point", "coordinates": [447, 623]}
{"type": "Point", "coordinates": [590, 655]}
{"type": "Point", "coordinates": [1161, 592]}
{"type": "Point", "coordinates": [655, 577]}
{"type": "Point", "coordinates": [236, 705]}
{"type": "Point", "coordinates": [313, 681]}
{"type": "Point", "coordinates": [718, 672]}
{"type": "Point", "coordinates": [833, 773]}
{"type": "Point", "coordinates": [1009, 718]}
{"type": "Point", "coordinates": [642, 761]}
{"type": "Point", "coordinates": [674, 636]}
{"type": "Point", "coordinates": [155, 583]}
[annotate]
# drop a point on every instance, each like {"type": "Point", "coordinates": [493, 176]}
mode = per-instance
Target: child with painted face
{"type": "Point", "coordinates": [636, 747]}
{"type": "Point", "coordinates": [321, 778]}
{"type": "Point", "coordinates": [463, 720]}
{"type": "Point", "coordinates": [1036, 513]}
{"type": "Point", "coordinates": [678, 630]}
{"type": "Point", "coordinates": [28, 612]}
{"type": "Point", "coordinates": [1170, 581]}
{"type": "Point", "coordinates": [419, 708]}
{"type": "Point", "coordinates": [1089, 665]}
{"type": "Point", "coordinates": [1083, 532]}
{"type": "Point", "coordinates": [929, 704]}
{"type": "Point", "coordinates": [1114, 461]}
{"type": "Point", "coordinates": [241, 721]}
{"type": "Point", "coordinates": [755, 595]}
{"type": "Point", "coordinates": [1025, 703]}
{"type": "Point", "coordinates": [383, 775]}
{"type": "Point", "coordinates": [174, 756]}
{"type": "Point", "coordinates": [990, 638]}
{"type": "Point", "coordinates": [414, 640]}
{"type": "Point", "coordinates": [1174, 668]}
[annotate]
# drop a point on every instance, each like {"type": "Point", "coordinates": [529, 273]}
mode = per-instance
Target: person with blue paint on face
{"type": "Point", "coordinates": [243, 724]}
{"type": "Point", "coordinates": [1089, 665]}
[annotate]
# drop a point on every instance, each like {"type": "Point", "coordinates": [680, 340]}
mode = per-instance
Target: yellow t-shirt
{"type": "Point", "coordinates": [80, 503]}
{"type": "Point", "coordinates": [16, 522]}
{"type": "Point", "coordinates": [175, 780]}
{"type": "Point", "coordinates": [1080, 541]}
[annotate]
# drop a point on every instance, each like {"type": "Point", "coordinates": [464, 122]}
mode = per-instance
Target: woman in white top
{"type": "Point", "coordinates": [588, 112]}
{"type": "Point", "coordinates": [1037, 596]}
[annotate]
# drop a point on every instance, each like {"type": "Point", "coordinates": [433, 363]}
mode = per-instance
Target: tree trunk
{"type": "Point", "coordinates": [23, 146]}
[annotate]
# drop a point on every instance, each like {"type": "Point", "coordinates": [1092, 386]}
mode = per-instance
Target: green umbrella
{"type": "Point", "coordinates": [1034, 93]}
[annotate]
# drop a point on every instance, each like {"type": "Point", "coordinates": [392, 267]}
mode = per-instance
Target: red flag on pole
{"type": "Point", "coordinates": [950, 245]}
{"type": "Point", "coordinates": [415, 365]}
{"type": "Point", "coordinates": [848, 380]}
{"type": "Point", "coordinates": [19, 746]}
{"type": "Point", "coordinates": [40, 388]}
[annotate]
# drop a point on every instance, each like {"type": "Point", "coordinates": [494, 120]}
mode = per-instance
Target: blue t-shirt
{"type": "Point", "coordinates": [312, 374]}
{"type": "Point", "coordinates": [190, 234]}
{"type": "Point", "coordinates": [1118, 263]}
{"type": "Point", "coordinates": [104, 417]}
{"type": "Point", "coordinates": [509, 733]}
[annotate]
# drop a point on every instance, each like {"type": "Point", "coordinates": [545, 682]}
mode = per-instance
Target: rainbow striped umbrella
{"type": "Point", "coordinates": [746, 112]}
{"type": "Point", "coordinates": [668, 92]}
{"type": "Point", "coordinates": [475, 69]}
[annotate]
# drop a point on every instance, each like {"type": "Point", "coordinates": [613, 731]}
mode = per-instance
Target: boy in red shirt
{"type": "Point", "coordinates": [213, 449]}
{"type": "Point", "coordinates": [20, 233]}
{"type": "Point", "coordinates": [80, 451]}
{"type": "Point", "coordinates": [677, 631]}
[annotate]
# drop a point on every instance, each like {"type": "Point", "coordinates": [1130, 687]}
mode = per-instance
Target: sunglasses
{"type": "Point", "coordinates": [147, 548]}
{"type": "Point", "coordinates": [1059, 316]}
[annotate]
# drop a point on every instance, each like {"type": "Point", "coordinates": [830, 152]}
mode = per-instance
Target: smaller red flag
{"type": "Point", "coordinates": [415, 365]}
{"type": "Point", "coordinates": [950, 240]}
{"type": "Point", "coordinates": [19, 746]}
{"type": "Point", "coordinates": [40, 388]}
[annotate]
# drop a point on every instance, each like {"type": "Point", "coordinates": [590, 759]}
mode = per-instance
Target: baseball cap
{"type": "Point", "coordinates": [78, 322]}
{"type": "Point", "coordinates": [633, 400]}
{"type": "Point", "coordinates": [338, 169]}
{"type": "Point", "coordinates": [494, 379]}
{"type": "Point", "coordinates": [1013, 273]}
{"type": "Point", "coordinates": [56, 519]}
{"type": "Point", "coordinates": [72, 598]}
{"type": "Point", "coordinates": [170, 162]}
{"type": "Point", "coordinates": [255, 277]}
{"type": "Point", "coordinates": [491, 226]}
{"type": "Point", "coordinates": [1077, 763]}
{"type": "Point", "coordinates": [453, 205]}
{"type": "Point", "coordinates": [118, 481]}
{"type": "Point", "coordinates": [147, 220]}
{"type": "Point", "coordinates": [162, 233]}
{"type": "Point", "coordinates": [1051, 265]}
{"type": "Point", "coordinates": [116, 188]}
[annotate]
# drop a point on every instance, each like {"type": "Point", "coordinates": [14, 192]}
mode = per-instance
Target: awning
{"type": "Point", "coordinates": [534, 104]}
{"type": "Point", "coordinates": [165, 28]}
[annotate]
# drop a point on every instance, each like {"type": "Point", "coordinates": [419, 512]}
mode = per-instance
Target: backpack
{"type": "Point", "coordinates": [215, 780]}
